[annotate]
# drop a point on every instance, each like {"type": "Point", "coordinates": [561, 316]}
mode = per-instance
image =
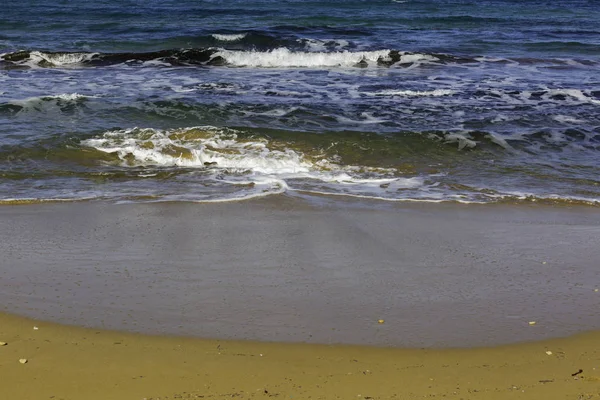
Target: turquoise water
{"type": "Point", "coordinates": [434, 100]}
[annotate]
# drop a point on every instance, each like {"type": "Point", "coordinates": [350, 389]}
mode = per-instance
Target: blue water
{"type": "Point", "coordinates": [468, 101]}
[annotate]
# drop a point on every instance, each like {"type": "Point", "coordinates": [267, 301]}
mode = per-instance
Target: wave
{"type": "Point", "coordinates": [259, 51]}
{"type": "Point", "coordinates": [259, 166]}
{"type": "Point", "coordinates": [245, 165]}
{"type": "Point", "coordinates": [231, 37]}
{"type": "Point", "coordinates": [576, 94]}
{"type": "Point", "coordinates": [558, 96]}
{"type": "Point", "coordinates": [66, 97]}
{"type": "Point", "coordinates": [321, 45]}
{"type": "Point", "coordinates": [208, 163]}
{"type": "Point", "coordinates": [62, 59]}
{"type": "Point", "coordinates": [59, 59]}
{"type": "Point", "coordinates": [121, 199]}
{"type": "Point", "coordinates": [64, 101]}
{"type": "Point", "coordinates": [414, 93]}
{"type": "Point", "coordinates": [309, 53]}
{"type": "Point", "coordinates": [197, 147]}
{"type": "Point", "coordinates": [281, 57]}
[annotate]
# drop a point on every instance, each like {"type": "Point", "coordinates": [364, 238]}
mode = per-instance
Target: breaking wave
{"type": "Point", "coordinates": [258, 166]}
{"type": "Point", "coordinates": [229, 37]}
{"type": "Point", "coordinates": [311, 53]}
{"type": "Point", "coordinates": [209, 164]}
{"type": "Point", "coordinates": [281, 57]}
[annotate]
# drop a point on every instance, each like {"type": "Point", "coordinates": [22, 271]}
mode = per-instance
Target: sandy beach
{"type": "Point", "coordinates": [281, 297]}
{"type": "Point", "coordinates": [75, 363]}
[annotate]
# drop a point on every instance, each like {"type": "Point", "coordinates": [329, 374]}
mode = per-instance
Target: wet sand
{"type": "Point", "coordinates": [290, 270]}
{"type": "Point", "coordinates": [86, 364]}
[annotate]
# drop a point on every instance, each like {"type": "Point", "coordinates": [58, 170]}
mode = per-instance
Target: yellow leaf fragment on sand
{"type": "Point", "coordinates": [531, 322]}
{"type": "Point", "coordinates": [549, 352]}
{"type": "Point", "coordinates": [23, 361]}
{"type": "Point", "coordinates": [380, 321]}
{"type": "Point", "coordinates": [544, 262]}
{"type": "Point", "coordinates": [35, 328]}
{"type": "Point", "coordinates": [3, 343]}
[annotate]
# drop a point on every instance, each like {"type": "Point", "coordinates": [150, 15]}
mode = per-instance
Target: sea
{"type": "Point", "coordinates": [487, 101]}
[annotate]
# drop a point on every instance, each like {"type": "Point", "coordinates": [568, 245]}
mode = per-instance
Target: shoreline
{"type": "Point", "coordinates": [289, 270]}
{"type": "Point", "coordinates": [65, 362]}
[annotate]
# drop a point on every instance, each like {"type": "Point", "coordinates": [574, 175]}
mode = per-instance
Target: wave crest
{"type": "Point", "coordinates": [233, 37]}
{"type": "Point", "coordinates": [280, 57]}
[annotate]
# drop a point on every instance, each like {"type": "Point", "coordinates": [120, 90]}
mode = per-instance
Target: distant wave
{"type": "Point", "coordinates": [326, 54]}
{"type": "Point", "coordinates": [414, 93]}
{"type": "Point", "coordinates": [280, 57]}
{"type": "Point", "coordinates": [285, 58]}
{"type": "Point", "coordinates": [228, 37]}
{"type": "Point", "coordinates": [62, 59]}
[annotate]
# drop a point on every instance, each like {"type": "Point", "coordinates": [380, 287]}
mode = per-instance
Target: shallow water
{"type": "Point", "coordinates": [285, 269]}
{"type": "Point", "coordinates": [434, 100]}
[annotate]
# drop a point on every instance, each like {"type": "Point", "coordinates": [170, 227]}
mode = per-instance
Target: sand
{"type": "Point", "coordinates": [86, 364]}
{"type": "Point", "coordinates": [303, 283]}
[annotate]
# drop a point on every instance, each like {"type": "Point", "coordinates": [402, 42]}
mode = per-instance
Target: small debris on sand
{"type": "Point", "coordinates": [549, 352]}
{"type": "Point", "coordinates": [3, 343]}
{"type": "Point", "coordinates": [23, 361]}
{"type": "Point", "coordinates": [380, 321]}
{"type": "Point", "coordinates": [532, 322]}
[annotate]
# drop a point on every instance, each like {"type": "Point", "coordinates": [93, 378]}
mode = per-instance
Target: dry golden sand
{"type": "Point", "coordinates": [66, 362]}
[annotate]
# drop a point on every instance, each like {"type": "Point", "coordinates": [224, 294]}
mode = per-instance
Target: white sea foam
{"type": "Point", "coordinates": [153, 147]}
{"type": "Point", "coordinates": [366, 119]}
{"type": "Point", "coordinates": [575, 94]}
{"type": "Point", "coordinates": [462, 139]}
{"type": "Point", "coordinates": [62, 96]}
{"type": "Point", "coordinates": [535, 197]}
{"type": "Point", "coordinates": [500, 141]}
{"type": "Point", "coordinates": [223, 37]}
{"type": "Point", "coordinates": [322, 45]}
{"type": "Point", "coordinates": [48, 104]}
{"type": "Point", "coordinates": [290, 93]}
{"type": "Point", "coordinates": [67, 96]}
{"type": "Point", "coordinates": [416, 58]}
{"type": "Point", "coordinates": [414, 93]}
{"type": "Point", "coordinates": [157, 63]}
{"type": "Point", "coordinates": [13, 200]}
{"type": "Point", "coordinates": [283, 57]}
{"type": "Point", "coordinates": [276, 112]}
{"type": "Point", "coordinates": [437, 198]}
{"type": "Point", "coordinates": [566, 119]}
{"type": "Point", "coordinates": [59, 59]}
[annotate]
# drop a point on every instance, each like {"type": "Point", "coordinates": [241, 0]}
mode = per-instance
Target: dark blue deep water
{"type": "Point", "coordinates": [431, 100]}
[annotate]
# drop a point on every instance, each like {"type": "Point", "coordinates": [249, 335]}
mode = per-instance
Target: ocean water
{"type": "Point", "coordinates": [398, 100]}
